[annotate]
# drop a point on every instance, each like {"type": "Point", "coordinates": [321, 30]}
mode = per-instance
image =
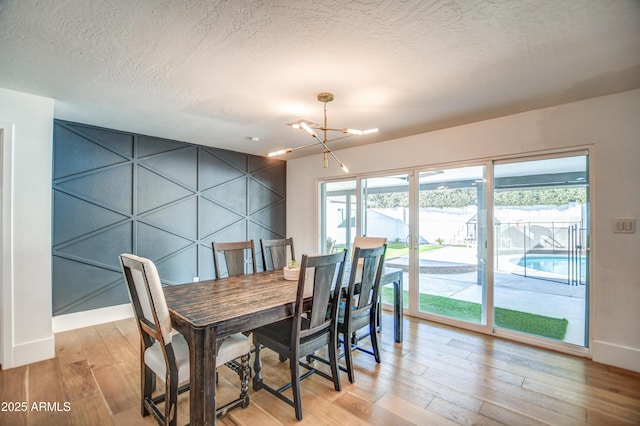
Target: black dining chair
{"type": "Point", "coordinates": [236, 256]}
{"type": "Point", "coordinates": [368, 242]}
{"type": "Point", "coordinates": [164, 352]}
{"type": "Point", "coordinates": [277, 253]}
{"type": "Point", "coordinates": [312, 327]}
{"type": "Point", "coordinates": [359, 308]}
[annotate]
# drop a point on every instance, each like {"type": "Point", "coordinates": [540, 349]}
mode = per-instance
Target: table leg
{"type": "Point", "coordinates": [202, 395]}
{"type": "Point", "coordinates": [397, 308]}
{"type": "Point", "coordinates": [257, 368]}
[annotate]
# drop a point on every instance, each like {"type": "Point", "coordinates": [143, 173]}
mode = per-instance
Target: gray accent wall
{"type": "Point", "coordinates": [116, 192]}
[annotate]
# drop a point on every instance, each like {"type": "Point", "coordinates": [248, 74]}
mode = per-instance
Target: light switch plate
{"type": "Point", "coordinates": [624, 226]}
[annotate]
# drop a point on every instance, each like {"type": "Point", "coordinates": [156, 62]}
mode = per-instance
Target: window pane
{"type": "Point", "coordinates": [338, 215]}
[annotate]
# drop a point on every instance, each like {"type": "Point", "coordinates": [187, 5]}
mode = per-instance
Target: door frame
{"type": "Point", "coordinates": [6, 245]}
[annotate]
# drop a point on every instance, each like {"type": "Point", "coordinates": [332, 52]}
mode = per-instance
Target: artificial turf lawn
{"type": "Point", "coordinates": [539, 325]}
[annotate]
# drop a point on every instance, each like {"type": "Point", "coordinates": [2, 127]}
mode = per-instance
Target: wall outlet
{"type": "Point", "coordinates": [196, 279]}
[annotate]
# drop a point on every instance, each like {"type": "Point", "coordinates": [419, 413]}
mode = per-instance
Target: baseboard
{"type": "Point", "coordinates": [88, 318]}
{"type": "Point", "coordinates": [616, 355]}
{"type": "Point", "coordinates": [27, 353]}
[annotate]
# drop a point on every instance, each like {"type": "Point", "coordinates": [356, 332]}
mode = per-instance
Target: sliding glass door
{"type": "Point", "coordinates": [496, 246]}
{"type": "Point", "coordinates": [452, 238]}
{"type": "Point", "coordinates": [541, 220]}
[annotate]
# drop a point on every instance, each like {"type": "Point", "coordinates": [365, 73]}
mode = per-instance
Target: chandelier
{"type": "Point", "coordinates": [311, 129]}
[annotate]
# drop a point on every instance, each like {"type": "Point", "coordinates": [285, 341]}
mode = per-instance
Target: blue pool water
{"type": "Point", "coordinates": [552, 264]}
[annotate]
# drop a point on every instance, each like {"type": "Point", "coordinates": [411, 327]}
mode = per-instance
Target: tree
{"type": "Point", "coordinates": [462, 197]}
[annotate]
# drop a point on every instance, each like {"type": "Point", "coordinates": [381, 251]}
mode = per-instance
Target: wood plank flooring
{"type": "Point", "coordinates": [439, 375]}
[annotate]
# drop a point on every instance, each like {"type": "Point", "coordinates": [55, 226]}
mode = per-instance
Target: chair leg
{"type": "Point", "coordinates": [335, 370]}
{"type": "Point", "coordinates": [374, 339]}
{"type": "Point", "coordinates": [171, 401]}
{"type": "Point", "coordinates": [347, 356]}
{"type": "Point", "coordinates": [295, 386]}
{"type": "Point", "coordinates": [148, 384]}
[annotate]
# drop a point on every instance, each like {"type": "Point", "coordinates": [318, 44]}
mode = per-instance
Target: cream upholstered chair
{"type": "Point", "coordinates": [163, 351]}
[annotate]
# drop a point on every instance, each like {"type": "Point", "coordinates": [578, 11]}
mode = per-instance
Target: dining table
{"type": "Point", "coordinates": [207, 311]}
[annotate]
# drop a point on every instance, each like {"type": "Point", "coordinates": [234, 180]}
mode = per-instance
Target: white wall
{"type": "Point", "coordinates": [610, 124]}
{"type": "Point", "coordinates": [27, 335]}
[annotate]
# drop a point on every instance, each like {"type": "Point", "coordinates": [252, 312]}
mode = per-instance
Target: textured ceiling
{"type": "Point", "coordinates": [221, 72]}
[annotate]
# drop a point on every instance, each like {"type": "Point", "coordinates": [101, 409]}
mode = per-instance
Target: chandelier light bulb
{"type": "Point", "coordinates": [353, 132]}
{"type": "Point", "coordinates": [280, 152]}
{"type": "Point", "coordinates": [309, 130]}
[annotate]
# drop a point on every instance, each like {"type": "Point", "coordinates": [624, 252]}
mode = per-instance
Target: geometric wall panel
{"type": "Point", "coordinates": [84, 282]}
{"type": "Point", "coordinates": [237, 160]}
{"type": "Point", "coordinates": [165, 218]}
{"type": "Point", "coordinates": [205, 262]}
{"type": "Point", "coordinates": [111, 187]}
{"type": "Point", "coordinates": [261, 196]}
{"type": "Point", "coordinates": [270, 218]}
{"type": "Point", "coordinates": [232, 195]}
{"type": "Point", "coordinates": [118, 142]}
{"type": "Point", "coordinates": [215, 218]}
{"type": "Point", "coordinates": [235, 232]}
{"type": "Point", "coordinates": [183, 264]}
{"type": "Point", "coordinates": [112, 242]}
{"type": "Point", "coordinates": [75, 154]}
{"type": "Point", "coordinates": [215, 171]}
{"type": "Point", "coordinates": [271, 177]}
{"type": "Point", "coordinates": [154, 190]}
{"type": "Point", "coordinates": [80, 217]}
{"type": "Point", "coordinates": [176, 165]}
{"type": "Point", "coordinates": [157, 244]}
{"type": "Point", "coordinates": [117, 192]}
{"type": "Point", "coordinates": [148, 145]}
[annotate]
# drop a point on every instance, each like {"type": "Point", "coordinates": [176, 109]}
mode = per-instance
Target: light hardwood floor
{"type": "Point", "coordinates": [438, 376]}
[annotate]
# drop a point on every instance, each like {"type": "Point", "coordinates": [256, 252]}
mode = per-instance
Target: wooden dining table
{"type": "Point", "coordinates": [206, 311]}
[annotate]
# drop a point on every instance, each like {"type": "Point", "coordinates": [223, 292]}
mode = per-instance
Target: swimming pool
{"type": "Point", "coordinates": [553, 266]}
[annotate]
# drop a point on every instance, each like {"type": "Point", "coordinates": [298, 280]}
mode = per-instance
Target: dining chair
{"type": "Point", "coordinates": [367, 242]}
{"type": "Point", "coordinates": [360, 308]}
{"type": "Point", "coordinates": [275, 254]}
{"type": "Point", "coordinates": [164, 352]}
{"type": "Point", "coordinates": [235, 258]}
{"type": "Point", "coordinates": [312, 327]}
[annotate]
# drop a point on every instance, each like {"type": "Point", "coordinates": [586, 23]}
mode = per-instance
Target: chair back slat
{"type": "Point", "coordinates": [277, 253]}
{"type": "Point", "coordinates": [324, 273]}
